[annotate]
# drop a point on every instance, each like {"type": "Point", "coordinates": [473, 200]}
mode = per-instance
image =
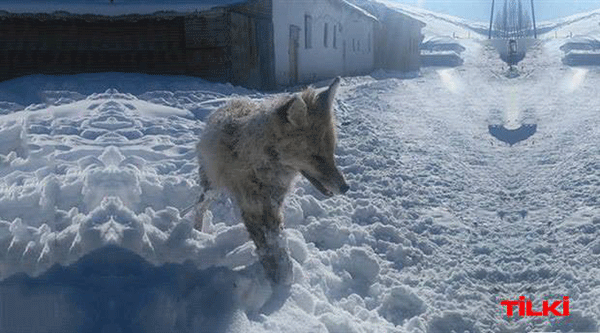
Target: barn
{"type": "Point", "coordinates": [254, 43]}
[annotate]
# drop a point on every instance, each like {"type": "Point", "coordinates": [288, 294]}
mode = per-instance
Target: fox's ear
{"type": "Point", "coordinates": [326, 97]}
{"type": "Point", "coordinates": [294, 111]}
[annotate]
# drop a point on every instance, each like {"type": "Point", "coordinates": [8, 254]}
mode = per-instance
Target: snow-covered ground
{"type": "Point", "coordinates": [441, 223]}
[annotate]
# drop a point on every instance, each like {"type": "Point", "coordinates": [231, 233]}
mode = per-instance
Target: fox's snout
{"type": "Point", "coordinates": [344, 188]}
{"type": "Point", "coordinates": [339, 182]}
{"type": "Point", "coordinates": [330, 183]}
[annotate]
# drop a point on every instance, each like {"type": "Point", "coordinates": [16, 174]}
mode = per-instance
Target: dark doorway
{"type": "Point", "coordinates": [344, 57]}
{"type": "Point", "coordinates": [293, 52]}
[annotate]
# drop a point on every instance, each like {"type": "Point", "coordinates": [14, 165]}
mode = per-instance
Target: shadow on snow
{"type": "Point", "coordinates": [512, 136]}
{"type": "Point", "coordinates": [115, 290]}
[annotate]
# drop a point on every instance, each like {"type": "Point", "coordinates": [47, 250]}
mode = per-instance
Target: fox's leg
{"type": "Point", "coordinates": [264, 223]}
{"type": "Point", "coordinates": [207, 196]}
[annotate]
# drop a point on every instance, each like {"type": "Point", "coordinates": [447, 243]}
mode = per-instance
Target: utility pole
{"type": "Point", "coordinates": [533, 15]}
{"type": "Point", "coordinates": [492, 19]}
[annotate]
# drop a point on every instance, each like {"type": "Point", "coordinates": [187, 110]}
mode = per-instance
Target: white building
{"type": "Point", "coordinates": [255, 43]}
{"type": "Point", "coordinates": [321, 38]}
{"type": "Point", "coordinates": [399, 37]}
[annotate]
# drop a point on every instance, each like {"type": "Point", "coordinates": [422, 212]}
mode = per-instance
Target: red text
{"type": "Point", "coordinates": [525, 307]}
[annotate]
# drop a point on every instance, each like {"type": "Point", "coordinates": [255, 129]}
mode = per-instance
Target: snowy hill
{"type": "Point", "coordinates": [579, 24]}
{"type": "Point", "coordinates": [442, 220]}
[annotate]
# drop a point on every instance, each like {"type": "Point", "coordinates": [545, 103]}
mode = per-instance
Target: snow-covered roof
{"type": "Point", "coordinates": [354, 7]}
{"type": "Point", "coordinates": [105, 7]}
{"type": "Point", "coordinates": [380, 10]}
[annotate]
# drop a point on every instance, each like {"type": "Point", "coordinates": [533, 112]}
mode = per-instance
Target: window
{"type": "Point", "coordinates": [307, 31]}
{"type": "Point", "coordinates": [369, 42]}
{"type": "Point", "coordinates": [358, 45]}
{"type": "Point", "coordinates": [353, 45]}
{"type": "Point", "coordinates": [335, 37]}
{"type": "Point", "coordinates": [325, 34]}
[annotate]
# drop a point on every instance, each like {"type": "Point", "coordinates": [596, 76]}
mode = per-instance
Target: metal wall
{"type": "Point", "coordinates": [207, 45]}
{"type": "Point", "coordinates": [226, 44]}
{"type": "Point", "coordinates": [31, 44]}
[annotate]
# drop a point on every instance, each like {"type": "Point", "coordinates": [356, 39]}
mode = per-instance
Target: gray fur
{"type": "Point", "coordinates": [256, 150]}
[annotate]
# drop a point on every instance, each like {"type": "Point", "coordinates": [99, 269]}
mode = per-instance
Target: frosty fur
{"type": "Point", "coordinates": [256, 150]}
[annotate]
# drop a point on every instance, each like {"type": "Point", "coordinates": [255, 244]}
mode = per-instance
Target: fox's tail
{"type": "Point", "coordinates": [204, 202]}
{"type": "Point", "coordinates": [207, 196]}
{"type": "Point", "coordinates": [201, 207]}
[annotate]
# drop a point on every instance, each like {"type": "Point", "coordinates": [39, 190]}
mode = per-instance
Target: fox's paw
{"type": "Point", "coordinates": [278, 266]}
{"type": "Point", "coordinates": [198, 220]}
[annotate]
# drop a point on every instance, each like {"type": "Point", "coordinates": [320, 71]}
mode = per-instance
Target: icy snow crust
{"type": "Point", "coordinates": [441, 223]}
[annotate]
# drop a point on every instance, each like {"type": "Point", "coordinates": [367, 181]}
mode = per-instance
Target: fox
{"type": "Point", "coordinates": [255, 151]}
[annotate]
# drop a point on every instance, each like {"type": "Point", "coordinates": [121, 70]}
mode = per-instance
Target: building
{"type": "Point", "coordinates": [226, 43]}
{"type": "Point", "coordinates": [254, 43]}
{"type": "Point", "coordinates": [399, 37]}
{"type": "Point", "coordinates": [321, 38]}
{"type": "Point", "coordinates": [398, 41]}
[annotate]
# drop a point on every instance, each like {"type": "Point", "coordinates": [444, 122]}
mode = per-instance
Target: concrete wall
{"type": "Point", "coordinates": [398, 41]}
{"type": "Point", "coordinates": [320, 61]}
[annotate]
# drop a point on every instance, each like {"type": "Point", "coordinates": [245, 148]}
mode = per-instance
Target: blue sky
{"type": "Point", "coordinates": [479, 10]}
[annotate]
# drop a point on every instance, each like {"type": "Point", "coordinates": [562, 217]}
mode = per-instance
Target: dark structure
{"type": "Point", "coordinates": [512, 136]}
{"type": "Point", "coordinates": [113, 289]}
{"type": "Point", "coordinates": [226, 43]}
{"type": "Point", "coordinates": [511, 23]}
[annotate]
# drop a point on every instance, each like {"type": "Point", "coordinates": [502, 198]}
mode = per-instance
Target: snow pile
{"type": "Point", "coordinates": [581, 43]}
{"type": "Point", "coordinates": [581, 51]}
{"type": "Point", "coordinates": [441, 51]}
{"type": "Point", "coordinates": [440, 44]}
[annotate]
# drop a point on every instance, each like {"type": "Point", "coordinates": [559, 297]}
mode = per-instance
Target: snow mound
{"type": "Point", "coordinates": [83, 173]}
{"type": "Point", "coordinates": [586, 43]}
{"type": "Point", "coordinates": [438, 44]}
{"type": "Point", "coordinates": [582, 58]}
{"type": "Point", "coordinates": [581, 51]}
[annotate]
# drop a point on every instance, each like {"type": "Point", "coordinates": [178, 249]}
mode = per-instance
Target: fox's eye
{"type": "Point", "coordinates": [318, 159]}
